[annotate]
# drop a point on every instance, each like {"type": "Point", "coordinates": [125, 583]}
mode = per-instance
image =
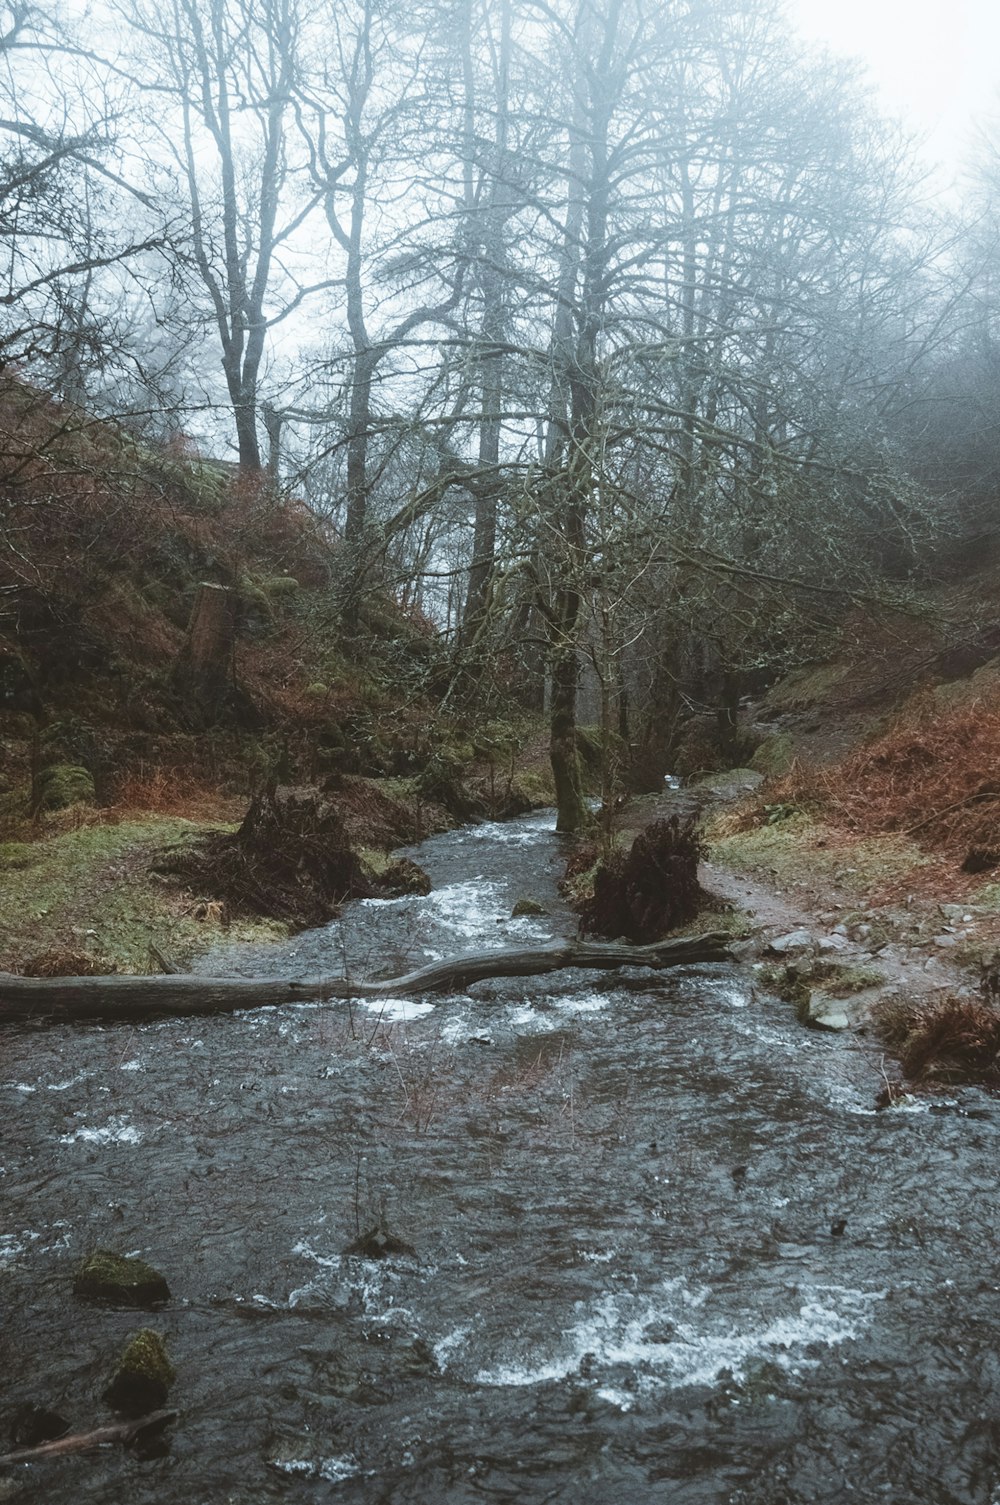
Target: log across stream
{"type": "Point", "coordinates": [137, 998]}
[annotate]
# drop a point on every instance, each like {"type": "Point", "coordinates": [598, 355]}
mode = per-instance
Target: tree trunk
{"type": "Point", "coordinates": [204, 668]}
{"type": "Point", "coordinates": [139, 998]}
{"type": "Point", "coordinates": [571, 806]}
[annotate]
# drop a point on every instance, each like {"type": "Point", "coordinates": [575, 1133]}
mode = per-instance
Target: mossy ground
{"type": "Point", "coordinates": [802, 851]}
{"type": "Point", "coordinates": [94, 889]}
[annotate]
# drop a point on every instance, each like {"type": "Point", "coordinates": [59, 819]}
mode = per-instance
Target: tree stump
{"type": "Point", "coordinates": [203, 673]}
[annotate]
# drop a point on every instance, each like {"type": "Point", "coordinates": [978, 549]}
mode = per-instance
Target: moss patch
{"type": "Point", "coordinates": [805, 687]}
{"type": "Point", "coordinates": [775, 755]}
{"type": "Point", "coordinates": [803, 850]}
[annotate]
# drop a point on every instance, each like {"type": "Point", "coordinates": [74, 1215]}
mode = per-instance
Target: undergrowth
{"type": "Point", "coordinates": [932, 779]}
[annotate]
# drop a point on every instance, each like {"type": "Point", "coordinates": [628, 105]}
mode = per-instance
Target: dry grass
{"type": "Point", "coordinates": [950, 1040]}
{"type": "Point", "coordinates": [934, 777]}
{"type": "Point", "coordinates": [169, 791]}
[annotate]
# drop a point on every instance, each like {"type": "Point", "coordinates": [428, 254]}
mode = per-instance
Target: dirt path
{"type": "Point", "coordinates": [919, 949]}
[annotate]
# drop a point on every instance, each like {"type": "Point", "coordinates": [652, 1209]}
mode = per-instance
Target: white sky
{"type": "Point", "coordinates": [936, 63]}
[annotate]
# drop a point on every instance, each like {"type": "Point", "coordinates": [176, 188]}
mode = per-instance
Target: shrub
{"type": "Point", "coordinates": [954, 1040]}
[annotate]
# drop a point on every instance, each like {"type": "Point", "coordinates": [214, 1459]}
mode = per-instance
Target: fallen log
{"type": "Point", "coordinates": [79, 1442]}
{"type": "Point", "coordinates": [57, 999]}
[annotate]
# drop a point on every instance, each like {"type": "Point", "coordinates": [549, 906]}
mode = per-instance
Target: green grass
{"type": "Point", "coordinates": [92, 890]}
{"type": "Point", "coordinates": [800, 850]}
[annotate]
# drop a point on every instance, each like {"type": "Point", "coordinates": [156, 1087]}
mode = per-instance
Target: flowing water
{"type": "Point", "coordinates": [664, 1247]}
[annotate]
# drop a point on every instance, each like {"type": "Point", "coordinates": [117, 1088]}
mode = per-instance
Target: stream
{"type": "Point", "coordinates": [664, 1249]}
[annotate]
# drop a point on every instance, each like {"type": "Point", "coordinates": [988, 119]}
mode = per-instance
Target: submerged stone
{"type": "Point", "coordinates": [32, 1425]}
{"type": "Point", "coordinates": [144, 1375]}
{"type": "Point", "coordinates": [119, 1280]}
{"type": "Point", "coordinates": [379, 1243]}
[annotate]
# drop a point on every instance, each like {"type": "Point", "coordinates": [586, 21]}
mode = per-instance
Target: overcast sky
{"type": "Point", "coordinates": [936, 62]}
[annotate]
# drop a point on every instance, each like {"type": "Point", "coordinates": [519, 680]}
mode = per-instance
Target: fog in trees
{"type": "Point", "coordinates": [613, 337]}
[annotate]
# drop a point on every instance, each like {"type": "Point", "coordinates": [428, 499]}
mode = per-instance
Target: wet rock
{"type": "Point", "coordinates": [379, 1243]}
{"type": "Point", "coordinates": [119, 1281]}
{"type": "Point", "coordinates": [831, 1019]}
{"type": "Point", "coordinates": [416, 1359]}
{"type": "Point", "coordinates": [401, 878]}
{"type": "Point", "coordinates": [143, 1377]}
{"type": "Point", "coordinates": [32, 1425]}
{"type": "Point", "coordinates": [527, 907]}
{"type": "Point", "coordinates": [795, 940]}
{"type": "Point", "coordinates": [833, 942]}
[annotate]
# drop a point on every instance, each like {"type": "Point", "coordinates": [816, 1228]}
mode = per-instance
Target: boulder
{"type": "Point", "coordinates": [401, 878]}
{"type": "Point", "coordinates": [525, 907]}
{"type": "Point", "coordinates": [824, 1012]}
{"type": "Point", "coordinates": [143, 1377]}
{"type": "Point", "coordinates": [791, 943]}
{"type": "Point", "coordinates": [119, 1280]}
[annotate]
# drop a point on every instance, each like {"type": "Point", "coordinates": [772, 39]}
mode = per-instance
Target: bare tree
{"type": "Point", "coordinates": [221, 75]}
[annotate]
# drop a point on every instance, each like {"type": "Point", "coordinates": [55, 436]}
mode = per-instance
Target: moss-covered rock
{"type": "Point", "coordinates": [143, 1376]}
{"type": "Point", "coordinates": [64, 784]}
{"type": "Point", "coordinates": [119, 1280]}
{"type": "Point", "coordinates": [401, 877]}
{"type": "Point", "coordinates": [525, 907]}
{"type": "Point", "coordinates": [281, 587]}
{"type": "Point", "coordinates": [788, 984]}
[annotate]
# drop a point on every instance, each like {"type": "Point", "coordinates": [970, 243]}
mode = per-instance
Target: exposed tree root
{"type": "Point", "coordinates": [652, 889]}
{"type": "Point", "coordinates": [291, 860]}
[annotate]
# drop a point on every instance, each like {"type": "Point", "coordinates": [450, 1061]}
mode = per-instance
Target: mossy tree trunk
{"type": "Point", "coordinates": [204, 669]}
{"type": "Point", "coordinates": [571, 806]}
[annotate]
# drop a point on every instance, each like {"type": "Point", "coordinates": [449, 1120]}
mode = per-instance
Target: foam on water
{"type": "Point", "coordinates": [579, 1003]}
{"type": "Point", "coordinates": [398, 1010]}
{"type": "Point", "coordinates": [117, 1130]}
{"type": "Point", "coordinates": [330, 1470]}
{"type": "Point", "coordinates": [513, 833]}
{"type": "Point", "coordinates": [14, 1244]}
{"type": "Point", "coordinates": [467, 909]}
{"type": "Point", "coordinates": [675, 1339]}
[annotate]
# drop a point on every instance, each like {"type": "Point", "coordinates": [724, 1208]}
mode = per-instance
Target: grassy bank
{"type": "Point", "coordinates": [92, 895]}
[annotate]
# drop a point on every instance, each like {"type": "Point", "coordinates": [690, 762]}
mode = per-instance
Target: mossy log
{"type": "Point", "coordinates": [136, 998]}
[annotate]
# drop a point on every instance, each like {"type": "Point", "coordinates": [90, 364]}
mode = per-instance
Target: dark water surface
{"type": "Point", "coordinates": [621, 1192]}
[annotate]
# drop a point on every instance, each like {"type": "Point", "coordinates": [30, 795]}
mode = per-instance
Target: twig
{"type": "Point", "coordinates": [78, 1442]}
{"type": "Point", "coordinates": [970, 799]}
